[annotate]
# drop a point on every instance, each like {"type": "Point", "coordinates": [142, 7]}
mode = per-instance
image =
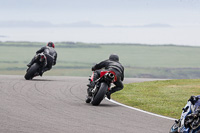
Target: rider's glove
{"type": "Point", "coordinates": [193, 99]}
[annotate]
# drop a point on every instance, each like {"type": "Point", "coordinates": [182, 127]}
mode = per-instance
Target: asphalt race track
{"type": "Point", "coordinates": [51, 104]}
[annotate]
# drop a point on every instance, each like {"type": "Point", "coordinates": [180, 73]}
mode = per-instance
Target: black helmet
{"type": "Point", "coordinates": [114, 57]}
{"type": "Point", "coordinates": [51, 44]}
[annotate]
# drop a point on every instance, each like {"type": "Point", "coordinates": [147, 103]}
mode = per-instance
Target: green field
{"type": "Point", "coordinates": [76, 59]}
{"type": "Point", "coordinates": [166, 97]}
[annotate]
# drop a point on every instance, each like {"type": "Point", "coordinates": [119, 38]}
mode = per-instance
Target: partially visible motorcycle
{"type": "Point", "coordinates": [40, 61]}
{"type": "Point", "coordinates": [102, 86]}
{"type": "Point", "coordinates": [190, 117]}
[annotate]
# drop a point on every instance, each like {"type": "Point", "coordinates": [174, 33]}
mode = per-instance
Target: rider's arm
{"type": "Point", "coordinates": [99, 65]}
{"type": "Point", "coordinates": [55, 58]}
{"type": "Point", "coordinates": [40, 50]}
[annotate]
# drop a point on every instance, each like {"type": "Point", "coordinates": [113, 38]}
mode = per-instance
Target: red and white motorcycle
{"type": "Point", "coordinates": [102, 86]}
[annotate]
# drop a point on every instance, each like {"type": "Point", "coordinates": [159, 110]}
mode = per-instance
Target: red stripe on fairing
{"type": "Point", "coordinates": [92, 76]}
{"type": "Point", "coordinates": [103, 73]}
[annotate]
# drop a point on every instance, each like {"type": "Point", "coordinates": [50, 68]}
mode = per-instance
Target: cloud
{"type": "Point", "coordinates": [44, 24]}
{"type": "Point", "coordinates": [25, 24]}
{"type": "Point", "coordinates": [113, 12]}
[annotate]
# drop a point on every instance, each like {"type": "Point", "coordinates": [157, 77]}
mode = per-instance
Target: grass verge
{"type": "Point", "coordinates": [166, 98]}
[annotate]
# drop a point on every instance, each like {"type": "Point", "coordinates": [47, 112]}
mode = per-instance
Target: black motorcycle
{"type": "Point", "coordinates": [40, 61]}
{"type": "Point", "coordinates": [102, 86]}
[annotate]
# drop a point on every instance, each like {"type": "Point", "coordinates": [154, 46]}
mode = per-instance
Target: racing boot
{"type": "Point", "coordinates": [91, 86]}
{"type": "Point", "coordinates": [89, 96]}
{"type": "Point", "coordinates": [41, 73]}
{"type": "Point", "coordinates": [108, 95]}
{"type": "Point", "coordinates": [31, 63]}
{"type": "Point", "coordinates": [88, 99]}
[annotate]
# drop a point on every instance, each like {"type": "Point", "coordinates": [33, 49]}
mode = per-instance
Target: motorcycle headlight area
{"type": "Point", "coordinates": [188, 119]}
{"type": "Point", "coordinates": [192, 120]}
{"type": "Point", "coordinates": [196, 123]}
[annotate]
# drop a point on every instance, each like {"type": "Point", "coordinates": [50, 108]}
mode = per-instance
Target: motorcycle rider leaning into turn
{"type": "Point", "coordinates": [111, 64]}
{"type": "Point", "coordinates": [50, 54]}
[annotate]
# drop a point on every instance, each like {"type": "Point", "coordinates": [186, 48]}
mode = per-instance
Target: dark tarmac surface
{"type": "Point", "coordinates": [51, 104]}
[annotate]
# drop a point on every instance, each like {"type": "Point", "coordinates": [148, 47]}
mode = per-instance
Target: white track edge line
{"type": "Point", "coordinates": [165, 117]}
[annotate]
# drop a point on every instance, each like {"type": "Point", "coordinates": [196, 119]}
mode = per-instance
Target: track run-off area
{"type": "Point", "coordinates": [56, 104]}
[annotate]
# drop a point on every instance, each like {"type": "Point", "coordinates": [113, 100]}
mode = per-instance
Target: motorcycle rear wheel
{"type": "Point", "coordinates": [100, 94]}
{"type": "Point", "coordinates": [31, 71]}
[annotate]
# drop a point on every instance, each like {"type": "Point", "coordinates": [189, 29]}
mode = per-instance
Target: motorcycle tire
{"type": "Point", "coordinates": [174, 128]}
{"type": "Point", "coordinates": [31, 71]}
{"type": "Point", "coordinates": [100, 94]}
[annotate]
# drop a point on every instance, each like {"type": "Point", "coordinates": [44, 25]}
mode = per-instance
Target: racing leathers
{"type": "Point", "coordinates": [51, 56]}
{"type": "Point", "coordinates": [109, 65]}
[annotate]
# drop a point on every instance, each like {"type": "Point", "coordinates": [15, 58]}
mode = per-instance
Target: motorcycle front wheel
{"type": "Point", "coordinates": [31, 71]}
{"type": "Point", "coordinates": [174, 128]}
{"type": "Point", "coordinates": [100, 94]}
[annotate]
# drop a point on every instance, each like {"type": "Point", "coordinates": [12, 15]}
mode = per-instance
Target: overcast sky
{"type": "Point", "coordinates": [124, 21]}
{"type": "Point", "coordinates": [105, 12]}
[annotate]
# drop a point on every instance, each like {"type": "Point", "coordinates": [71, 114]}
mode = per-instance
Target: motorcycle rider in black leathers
{"type": "Point", "coordinates": [111, 64]}
{"type": "Point", "coordinates": [50, 54]}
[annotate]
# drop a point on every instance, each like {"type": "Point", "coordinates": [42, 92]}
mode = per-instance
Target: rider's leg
{"type": "Point", "coordinates": [32, 61]}
{"type": "Point", "coordinates": [118, 86]}
{"type": "Point", "coordinates": [91, 85]}
{"type": "Point", "coordinates": [48, 65]}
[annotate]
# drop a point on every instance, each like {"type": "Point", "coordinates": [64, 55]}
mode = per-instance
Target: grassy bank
{"type": "Point", "coordinates": [161, 97]}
